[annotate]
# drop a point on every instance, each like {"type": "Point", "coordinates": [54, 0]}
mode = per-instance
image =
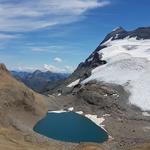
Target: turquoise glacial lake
{"type": "Point", "coordinates": [70, 127]}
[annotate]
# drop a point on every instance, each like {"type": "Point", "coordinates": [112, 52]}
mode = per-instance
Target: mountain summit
{"type": "Point", "coordinates": [120, 33]}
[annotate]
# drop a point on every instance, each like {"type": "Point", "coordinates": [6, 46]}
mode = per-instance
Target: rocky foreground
{"type": "Point", "coordinates": [21, 108]}
{"type": "Point", "coordinates": [126, 125]}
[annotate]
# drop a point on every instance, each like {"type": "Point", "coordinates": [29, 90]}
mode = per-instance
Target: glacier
{"type": "Point", "coordinates": [128, 64]}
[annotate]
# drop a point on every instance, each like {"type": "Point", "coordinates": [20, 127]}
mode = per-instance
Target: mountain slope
{"type": "Point", "coordinates": [20, 109]}
{"type": "Point", "coordinates": [128, 62]}
{"type": "Point", "coordinates": [114, 80]}
{"type": "Point", "coordinates": [15, 96]}
{"type": "Point", "coordinates": [122, 58]}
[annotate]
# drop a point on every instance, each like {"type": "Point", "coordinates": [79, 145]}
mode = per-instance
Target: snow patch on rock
{"type": "Point", "coordinates": [59, 94]}
{"type": "Point", "coordinates": [57, 111]}
{"type": "Point", "coordinates": [70, 109]}
{"type": "Point", "coordinates": [90, 59]}
{"type": "Point", "coordinates": [74, 83]}
{"type": "Point", "coordinates": [146, 114]}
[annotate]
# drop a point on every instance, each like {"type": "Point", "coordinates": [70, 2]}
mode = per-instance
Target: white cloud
{"type": "Point", "coordinates": [52, 48]}
{"type": "Point", "coordinates": [29, 15]}
{"type": "Point", "coordinates": [39, 49]}
{"type": "Point", "coordinates": [66, 69]}
{"type": "Point", "coordinates": [58, 60]}
{"type": "Point", "coordinates": [69, 69]}
{"type": "Point", "coordinates": [46, 67]}
{"type": "Point", "coordinates": [7, 36]}
{"type": "Point", "coordinates": [25, 68]}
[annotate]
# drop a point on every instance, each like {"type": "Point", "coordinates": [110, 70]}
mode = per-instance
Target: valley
{"type": "Point", "coordinates": [112, 84]}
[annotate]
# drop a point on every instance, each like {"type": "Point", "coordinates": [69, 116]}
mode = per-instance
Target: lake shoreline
{"type": "Point", "coordinates": [126, 130]}
{"type": "Point", "coordinates": [83, 128]}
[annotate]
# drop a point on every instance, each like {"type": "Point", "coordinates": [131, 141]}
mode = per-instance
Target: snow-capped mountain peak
{"type": "Point", "coordinates": [127, 63]}
{"type": "Point", "coordinates": [121, 33]}
{"type": "Point", "coordinates": [118, 29]}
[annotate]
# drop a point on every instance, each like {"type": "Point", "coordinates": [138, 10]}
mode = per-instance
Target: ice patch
{"type": "Point", "coordinates": [71, 109]}
{"type": "Point", "coordinates": [57, 111]}
{"type": "Point", "coordinates": [79, 112]}
{"type": "Point", "coordinates": [59, 94]}
{"type": "Point", "coordinates": [95, 119]}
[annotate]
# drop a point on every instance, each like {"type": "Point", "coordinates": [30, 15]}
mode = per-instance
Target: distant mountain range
{"type": "Point", "coordinates": [39, 80]}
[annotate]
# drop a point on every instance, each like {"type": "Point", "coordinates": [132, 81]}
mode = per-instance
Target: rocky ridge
{"type": "Point", "coordinates": [83, 70]}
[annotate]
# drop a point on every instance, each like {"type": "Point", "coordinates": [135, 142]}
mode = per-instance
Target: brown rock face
{"type": "Point", "coordinates": [20, 109]}
{"type": "Point", "coordinates": [16, 100]}
{"type": "Point", "coordinates": [3, 68]}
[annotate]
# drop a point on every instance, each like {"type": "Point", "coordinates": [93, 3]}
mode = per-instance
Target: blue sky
{"type": "Point", "coordinates": [57, 35]}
